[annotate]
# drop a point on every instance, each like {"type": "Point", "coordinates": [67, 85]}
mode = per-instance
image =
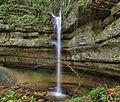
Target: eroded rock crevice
{"type": "Point", "coordinates": [90, 39]}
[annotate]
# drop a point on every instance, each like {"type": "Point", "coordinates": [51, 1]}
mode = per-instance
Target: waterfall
{"type": "Point", "coordinates": [57, 26]}
{"type": "Point", "coordinates": [58, 30]}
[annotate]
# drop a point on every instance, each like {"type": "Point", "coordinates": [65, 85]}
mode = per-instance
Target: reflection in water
{"type": "Point", "coordinates": [22, 76]}
{"type": "Point", "coordinates": [25, 75]}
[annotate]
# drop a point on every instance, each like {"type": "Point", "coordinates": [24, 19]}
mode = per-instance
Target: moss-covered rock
{"type": "Point", "coordinates": [22, 14]}
{"type": "Point", "coordinates": [5, 78]}
{"type": "Point", "coordinates": [90, 27]}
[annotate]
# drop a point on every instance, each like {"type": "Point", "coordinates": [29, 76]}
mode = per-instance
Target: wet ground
{"type": "Point", "coordinates": [40, 83]}
{"type": "Point", "coordinates": [49, 76]}
{"type": "Point", "coordinates": [42, 91]}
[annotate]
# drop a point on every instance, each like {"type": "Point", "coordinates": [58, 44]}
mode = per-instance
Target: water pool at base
{"type": "Point", "coordinates": [46, 80]}
{"type": "Point", "coordinates": [25, 75]}
{"type": "Point", "coordinates": [47, 75]}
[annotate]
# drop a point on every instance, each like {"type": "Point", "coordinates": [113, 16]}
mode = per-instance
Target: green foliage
{"type": "Point", "coordinates": [32, 99]}
{"type": "Point", "coordinates": [3, 1]}
{"type": "Point", "coordinates": [118, 95]}
{"type": "Point", "coordinates": [3, 10]}
{"type": "Point", "coordinates": [84, 2]}
{"type": "Point", "coordinates": [41, 1]}
{"type": "Point", "coordinates": [79, 99]}
{"type": "Point", "coordinates": [20, 9]}
{"type": "Point", "coordinates": [98, 94]}
{"type": "Point", "coordinates": [24, 13]}
{"type": "Point", "coordinates": [23, 21]}
{"type": "Point", "coordinates": [10, 96]}
{"type": "Point", "coordinates": [23, 2]}
{"type": "Point", "coordinates": [102, 94]}
{"type": "Point", "coordinates": [19, 13]}
{"type": "Point", "coordinates": [68, 6]}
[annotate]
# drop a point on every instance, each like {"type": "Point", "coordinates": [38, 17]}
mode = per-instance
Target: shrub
{"type": "Point", "coordinates": [102, 94]}
{"type": "Point", "coordinates": [22, 21]}
{"type": "Point", "coordinates": [10, 96]}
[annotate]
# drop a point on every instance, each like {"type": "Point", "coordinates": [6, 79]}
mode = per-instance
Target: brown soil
{"type": "Point", "coordinates": [41, 91]}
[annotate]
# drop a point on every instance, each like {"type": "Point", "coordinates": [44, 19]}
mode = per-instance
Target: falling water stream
{"type": "Point", "coordinates": [58, 29]}
{"type": "Point", "coordinates": [57, 24]}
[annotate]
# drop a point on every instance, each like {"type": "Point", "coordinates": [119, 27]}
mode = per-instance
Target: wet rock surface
{"type": "Point", "coordinates": [5, 78]}
{"type": "Point", "coordinates": [101, 50]}
{"type": "Point", "coordinates": [91, 36]}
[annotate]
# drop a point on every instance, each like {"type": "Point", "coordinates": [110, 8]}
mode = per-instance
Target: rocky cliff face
{"type": "Point", "coordinates": [95, 46]}
{"type": "Point", "coordinates": [91, 36]}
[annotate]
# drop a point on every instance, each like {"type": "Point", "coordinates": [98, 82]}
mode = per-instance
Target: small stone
{"type": "Point", "coordinates": [40, 100]}
{"type": "Point", "coordinates": [39, 93]}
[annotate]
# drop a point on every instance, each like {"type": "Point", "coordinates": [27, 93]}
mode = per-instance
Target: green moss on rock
{"type": "Point", "coordinates": [25, 14]}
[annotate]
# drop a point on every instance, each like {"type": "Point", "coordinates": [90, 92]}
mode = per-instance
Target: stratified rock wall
{"type": "Point", "coordinates": [90, 39]}
{"type": "Point", "coordinates": [98, 49]}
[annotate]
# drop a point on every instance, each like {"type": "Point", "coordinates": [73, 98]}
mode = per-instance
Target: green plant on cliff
{"type": "Point", "coordinates": [24, 13]}
{"type": "Point", "coordinates": [16, 2]}
{"type": "Point", "coordinates": [26, 20]}
{"type": "Point", "coordinates": [3, 9]}
{"type": "Point", "coordinates": [84, 2]}
{"type": "Point", "coordinates": [3, 12]}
